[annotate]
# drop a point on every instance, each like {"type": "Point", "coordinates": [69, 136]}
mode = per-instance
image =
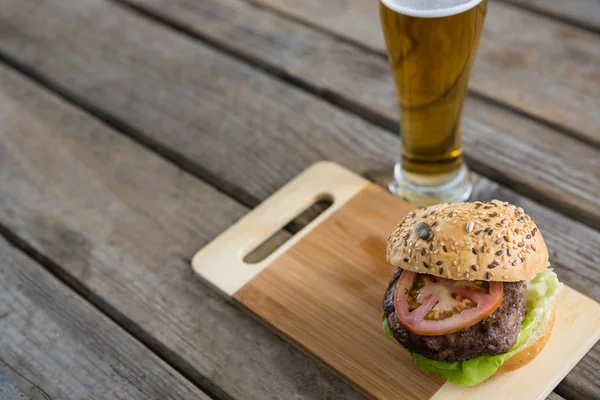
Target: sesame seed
{"type": "Point", "coordinates": [514, 263]}
{"type": "Point", "coordinates": [405, 243]}
{"type": "Point", "coordinates": [434, 224]}
{"type": "Point", "coordinates": [522, 259]}
{"type": "Point", "coordinates": [506, 238]}
{"type": "Point", "coordinates": [470, 226]}
{"type": "Point", "coordinates": [521, 244]}
{"type": "Point", "coordinates": [494, 214]}
{"type": "Point", "coordinates": [477, 232]}
{"type": "Point", "coordinates": [486, 230]}
{"type": "Point", "coordinates": [487, 207]}
{"type": "Point", "coordinates": [451, 214]}
{"type": "Point", "coordinates": [423, 251]}
{"type": "Point", "coordinates": [490, 232]}
{"type": "Point", "coordinates": [492, 266]}
{"type": "Point", "coordinates": [466, 275]}
{"type": "Point", "coordinates": [533, 248]}
{"type": "Point", "coordinates": [474, 251]}
{"type": "Point", "coordinates": [503, 221]}
{"type": "Point", "coordinates": [486, 220]}
{"type": "Point", "coordinates": [499, 252]}
{"type": "Point", "coordinates": [425, 264]}
{"type": "Point", "coordinates": [431, 246]}
{"type": "Point", "coordinates": [441, 271]}
{"type": "Point", "coordinates": [445, 248]}
{"type": "Point", "coordinates": [483, 249]}
{"type": "Point", "coordinates": [488, 275]}
{"type": "Point", "coordinates": [439, 263]}
{"type": "Point", "coordinates": [498, 241]}
{"type": "Point", "coordinates": [528, 236]}
{"type": "Point", "coordinates": [509, 252]}
{"type": "Point", "coordinates": [405, 235]}
{"type": "Point", "coordinates": [405, 259]}
{"type": "Point", "coordinates": [520, 209]}
{"type": "Point", "coordinates": [504, 276]}
{"type": "Point", "coordinates": [474, 267]}
{"type": "Point", "coordinates": [498, 225]}
{"type": "Point", "coordinates": [533, 232]}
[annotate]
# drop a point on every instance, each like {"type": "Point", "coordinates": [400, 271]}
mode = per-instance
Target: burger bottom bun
{"type": "Point", "coordinates": [534, 345]}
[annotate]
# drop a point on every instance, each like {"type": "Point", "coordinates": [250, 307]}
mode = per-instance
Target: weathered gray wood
{"type": "Point", "coordinates": [536, 160]}
{"type": "Point", "coordinates": [247, 129]}
{"type": "Point", "coordinates": [584, 13]}
{"type": "Point", "coordinates": [123, 224]}
{"type": "Point", "coordinates": [53, 344]}
{"type": "Point", "coordinates": [554, 396]}
{"type": "Point", "coordinates": [544, 67]}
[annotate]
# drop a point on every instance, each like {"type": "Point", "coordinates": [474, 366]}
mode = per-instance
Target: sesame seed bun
{"type": "Point", "coordinates": [492, 241]}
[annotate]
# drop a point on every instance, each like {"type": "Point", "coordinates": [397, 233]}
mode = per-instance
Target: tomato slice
{"type": "Point", "coordinates": [429, 305]}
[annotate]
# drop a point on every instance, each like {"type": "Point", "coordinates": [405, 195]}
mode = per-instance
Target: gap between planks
{"type": "Point", "coordinates": [333, 98]}
{"type": "Point", "coordinates": [559, 16]}
{"type": "Point", "coordinates": [261, 4]}
{"type": "Point", "coordinates": [136, 333]}
{"type": "Point", "coordinates": [371, 115]}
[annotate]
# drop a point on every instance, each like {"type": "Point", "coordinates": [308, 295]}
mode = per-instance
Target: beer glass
{"type": "Point", "coordinates": [431, 45]}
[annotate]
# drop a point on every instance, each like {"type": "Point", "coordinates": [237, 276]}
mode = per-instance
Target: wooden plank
{"type": "Point", "coordinates": [53, 344]}
{"type": "Point", "coordinates": [257, 148]}
{"type": "Point", "coordinates": [123, 225]}
{"type": "Point", "coordinates": [585, 13]}
{"type": "Point", "coordinates": [532, 158]}
{"type": "Point", "coordinates": [546, 68]}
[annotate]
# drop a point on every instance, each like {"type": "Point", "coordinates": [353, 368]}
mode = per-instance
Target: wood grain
{"type": "Point", "coordinates": [335, 298]}
{"type": "Point", "coordinates": [251, 150]}
{"type": "Point", "coordinates": [585, 13]}
{"type": "Point", "coordinates": [53, 344]}
{"type": "Point", "coordinates": [541, 66]}
{"type": "Point", "coordinates": [324, 293]}
{"type": "Point", "coordinates": [533, 158]}
{"type": "Point", "coordinates": [122, 225]}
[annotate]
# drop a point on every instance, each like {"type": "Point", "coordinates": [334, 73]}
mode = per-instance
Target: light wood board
{"type": "Point", "coordinates": [322, 290]}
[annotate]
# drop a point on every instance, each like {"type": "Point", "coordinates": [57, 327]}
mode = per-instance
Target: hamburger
{"type": "Point", "coordinates": [472, 293]}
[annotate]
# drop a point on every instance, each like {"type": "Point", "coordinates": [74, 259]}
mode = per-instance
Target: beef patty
{"type": "Point", "coordinates": [493, 335]}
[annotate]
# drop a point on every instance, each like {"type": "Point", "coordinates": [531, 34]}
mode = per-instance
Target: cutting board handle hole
{"type": "Point", "coordinates": [276, 240]}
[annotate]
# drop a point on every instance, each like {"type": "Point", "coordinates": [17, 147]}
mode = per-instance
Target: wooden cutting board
{"type": "Point", "coordinates": [322, 291]}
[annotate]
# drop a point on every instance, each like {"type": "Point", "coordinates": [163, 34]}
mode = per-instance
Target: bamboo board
{"type": "Point", "coordinates": [322, 290]}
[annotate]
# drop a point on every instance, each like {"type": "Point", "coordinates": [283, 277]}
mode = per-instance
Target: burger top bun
{"type": "Point", "coordinates": [492, 241]}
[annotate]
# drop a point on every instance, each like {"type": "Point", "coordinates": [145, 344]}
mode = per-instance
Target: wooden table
{"type": "Point", "coordinates": [132, 132]}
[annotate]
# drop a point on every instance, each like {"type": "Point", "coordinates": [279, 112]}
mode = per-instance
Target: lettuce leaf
{"type": "Point", "coordinates": [540, 292]}
{"type": "Point", "coordinates": [386, 327]}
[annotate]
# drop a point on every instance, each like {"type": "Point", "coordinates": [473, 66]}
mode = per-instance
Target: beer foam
{"type": "Point", "coordinates": [430, 8]}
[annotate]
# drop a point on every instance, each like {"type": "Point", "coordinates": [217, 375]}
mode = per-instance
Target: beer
{"type": "Point", "coordinates": [432, 45]}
